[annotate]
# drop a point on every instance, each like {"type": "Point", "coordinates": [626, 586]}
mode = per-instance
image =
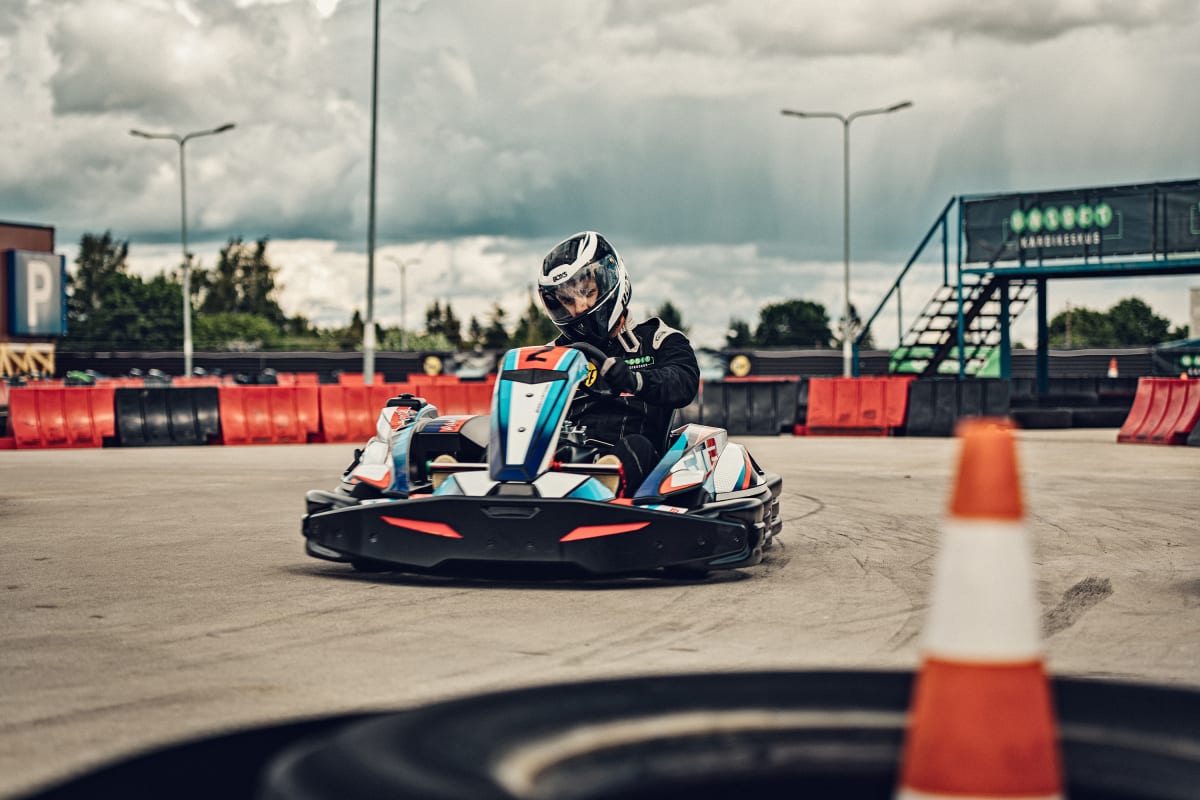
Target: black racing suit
{"type": "Point", "coordinates": [670, 379]}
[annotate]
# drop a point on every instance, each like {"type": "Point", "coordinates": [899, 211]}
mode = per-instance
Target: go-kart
{"type": "Point", "coordinates": [522, 487]}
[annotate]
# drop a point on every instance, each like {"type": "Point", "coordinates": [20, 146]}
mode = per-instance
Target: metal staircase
{"type": "Point", "coordinates": [930, 346]}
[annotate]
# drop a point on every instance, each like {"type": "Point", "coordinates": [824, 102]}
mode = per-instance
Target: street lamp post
{"type": "Point", "coordinates": [403, 263]}
{"type": "Point", "coordinates": [187, 261]}
{"type": "Point", "coordinates": [846, 119]}
{"type": "Point", "coordinates": [369, 322]}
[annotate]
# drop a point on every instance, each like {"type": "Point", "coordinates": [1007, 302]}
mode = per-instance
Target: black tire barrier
{"type": "Point", "coordinates": [161, 416]}
{"type": "Point", "coordinates": [1102, 417]}
{"type": "Point", "coordinates": [1043, 418]}
{"type": "Point", "coordinates": [1069, 400]}
{"type": "Point", "coordinates": [750, 408]}
{"type": "Point", "coordinates": [935, 405]}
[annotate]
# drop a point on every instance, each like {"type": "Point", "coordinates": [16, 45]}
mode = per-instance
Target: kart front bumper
{"type": "Point", "coordinates": [436, 533]}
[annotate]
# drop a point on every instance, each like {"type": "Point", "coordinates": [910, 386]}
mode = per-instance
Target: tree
{"type": "Point", "coordinates": [107, 308]}
{"type": "Point", "coordinates": [739, 334]}
{"type": "Point", "coordinates": [868, 342]}
{"type": "Point", "coordinates": [793, 323]}
{"type": "Point", "coordinates": [1134, 323]}
{"type": "Point", "coordinates": [234, 331]}
{"type": "Point", "coordinates": [243, 282]}
{"type": "Point", "coordinates": [1081, 328]}
{"type": "Point", "coordinates": [669, 314]}
{"type": "Point", "coordinates": [1128, 323]}
{"type": "Point", "coordinates": [495, 335]}
{"type": "Point", "coordinates": [534, 327]}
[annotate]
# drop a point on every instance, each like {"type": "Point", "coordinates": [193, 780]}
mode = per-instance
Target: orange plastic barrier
{"type": "Point", "coordinates": [308, 410]}
{"type": "Point", "coordinates": [104, 411]}
{"type": "Point", "coordinates": [1164, 411]}
{"type": "Point", "coordinates": [48, 416]}
{"type": "Point", "coordinates": [895, 400]}
{"type": "Point", "coordinates": [855, 406]}
{"type": "Point", "coordinates": [263, 414]}
{"type": "Point", "coordinates": [479, 397]}
{"type": "Point", "coordinates": [23, 418]}
{"type": "Point", "coordinates": [79, 418]}
{"type": "Point", "coordinates": [233, 417]}
{"type": "Point", "coordinates": [332, 414]}
{"type": "Point", "coordinates": [197, 380]}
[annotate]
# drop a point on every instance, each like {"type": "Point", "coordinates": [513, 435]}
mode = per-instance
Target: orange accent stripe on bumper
{"type": "Point", "coordinates": [424, 526]}
{"type": "Point", "coordinates": [592, 531]}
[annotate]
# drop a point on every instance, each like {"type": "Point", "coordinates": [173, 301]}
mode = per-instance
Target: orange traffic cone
{"type": "Point", "coordinates": [981, 721]}
{"type": "Point", "coordinates": [1112, 368]}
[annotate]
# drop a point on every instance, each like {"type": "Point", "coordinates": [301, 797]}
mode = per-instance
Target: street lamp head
{"type": "Point", "coordinates": [898, 106]}
{"type": "Point", "coordinates": [227, 126]}
{"type": "Point", "coordinates": [143, 134]}
{"type": "Point", "coordinates": [787, 112]}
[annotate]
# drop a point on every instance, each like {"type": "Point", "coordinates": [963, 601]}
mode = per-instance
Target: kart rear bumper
{"type": "Point", "coordinates": [601, 538]}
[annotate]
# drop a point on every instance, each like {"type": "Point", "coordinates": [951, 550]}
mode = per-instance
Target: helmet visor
{"type": "Point", "coordinates": [568, 296]}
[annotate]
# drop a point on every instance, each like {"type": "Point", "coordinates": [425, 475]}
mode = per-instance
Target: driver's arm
{"type": "Point", "coordinates": [674, 378]}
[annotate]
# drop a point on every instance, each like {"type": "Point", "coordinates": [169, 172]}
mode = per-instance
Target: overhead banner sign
{"type": "Point", "coordinates": [1144, 220]}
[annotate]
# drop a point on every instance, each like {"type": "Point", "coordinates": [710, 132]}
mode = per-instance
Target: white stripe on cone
{"type": "Point", "coordinates": [983, 606]}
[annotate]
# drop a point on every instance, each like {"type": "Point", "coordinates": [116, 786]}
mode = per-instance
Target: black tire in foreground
{"type": "Point", "coordinates": [761, 735]}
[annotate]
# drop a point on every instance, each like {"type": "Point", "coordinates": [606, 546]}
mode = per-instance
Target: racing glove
{"type": "Point", "coordinates": [619, 376]}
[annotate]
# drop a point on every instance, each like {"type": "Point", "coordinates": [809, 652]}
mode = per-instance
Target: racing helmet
{"type": "Point", "coordinates": [584, 287]}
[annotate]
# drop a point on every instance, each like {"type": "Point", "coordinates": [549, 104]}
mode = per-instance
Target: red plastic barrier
{"type": "Point", "coordinates": [334, 427]}
{"type": "Point", "coordinates": [233, 416]}
{"type": "Point", "coordinates": [45, 416]}
{"type": "Point", "coordinates": [286, 426]}
{"type": "Point", "coordinates": [1164, 411]}
{"type": "Point", "coordinates": [23, 418]}
{"type": "Point", "coordinates": [308, 410]}
{"type": "Point", "coordinates": [52, 418]}
{"type": "Point", "coordinates": [456, 399]}
{"type": "Point", "coordinates": [479, 398]}
{"type": "Point", "coordinates": [851, 407]}
{"type": "Point", "coordinates": [895, 400]}
{"type": "Point", "coordinates": [361, 410]}
{"type": "Point", "coordinates": [350, 379]}
{"type": "Point", "coordinates": [307, 378]}
{"type": "Point", "coordinates": [104, 417]}
{"type": "Point", "coordinates": [256, 405]}
{"type": "Point", "coordinates": [80, 423]}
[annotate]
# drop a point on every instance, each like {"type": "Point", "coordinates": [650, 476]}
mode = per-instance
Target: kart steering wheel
{"type": "Point", "coordinates": [597, 357]}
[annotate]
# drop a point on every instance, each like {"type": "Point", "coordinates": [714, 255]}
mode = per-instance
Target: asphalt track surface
{"type": "Point", "coordinates": [156, 595]}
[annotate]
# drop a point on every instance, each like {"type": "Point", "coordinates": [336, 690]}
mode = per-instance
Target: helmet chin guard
{"type": "Point", "coordinates": [584, 287]}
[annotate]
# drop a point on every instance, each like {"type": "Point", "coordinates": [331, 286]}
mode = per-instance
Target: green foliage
{"type": "Point", "coordinates": [441, 321]}
{"type": "Point", "coordinates": [243, 282]}
{"type": "Point", "coordinates": [495, 335]}
{"type": "Point", "coordinates": [534, 327]}
{"type": "Point", "coordinates": [739, 334]}
{"type": "Point", "coordinates": [1128, 323]}
{"type": "Point", "coordinates": [109, 309]}
{"type": "Point", "coordinates": [671, 315]}
{"type": "Point", "coordinates": [233, 331]}
{"type": "Point", "coordinates": [793, 323]}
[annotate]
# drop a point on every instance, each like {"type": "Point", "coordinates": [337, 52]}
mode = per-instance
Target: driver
{"type": "Point", "coordinates": [649, 369]}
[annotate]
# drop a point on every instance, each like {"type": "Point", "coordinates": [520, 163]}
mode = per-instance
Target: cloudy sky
{"type": "Point", "coordinates": [506, 125]}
